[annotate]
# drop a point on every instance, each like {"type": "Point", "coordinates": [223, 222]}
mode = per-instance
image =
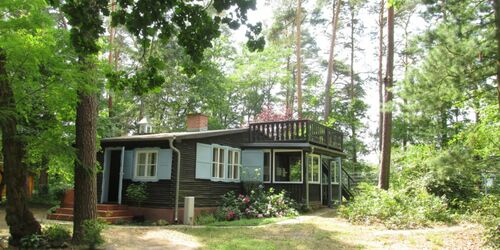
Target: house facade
{"type": "Point", "coordinates": [301, 157]}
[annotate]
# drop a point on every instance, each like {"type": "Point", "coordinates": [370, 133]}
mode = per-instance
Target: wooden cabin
{"type": "Point", "coordinates": [302, 157]}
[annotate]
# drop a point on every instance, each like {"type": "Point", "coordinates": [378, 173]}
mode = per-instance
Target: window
{"type": "Point", "coordinates": [267, 167]}
{"type": "Point", "coordinates": [333, 167]}
{"type": "Point", "coordinates": [234, 163]}
{"type": "Point", "coordinates": [288, 166]}
{"type": "Point", "coordinates": [313, 168]}
{"type": "Point", "coordinates": [146, 164]}
{"type": "Point", "coordinates": [218, 163]}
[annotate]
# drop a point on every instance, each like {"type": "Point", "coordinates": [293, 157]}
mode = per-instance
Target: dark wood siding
{"type": "Point", "coordinates": [207, 193]}
{"type": "Point", "coordinates": [160, 193]}
{"type": "Point", "coordinates": [295, 191]}
{"type": "Point", "coordinates": [314, 192]}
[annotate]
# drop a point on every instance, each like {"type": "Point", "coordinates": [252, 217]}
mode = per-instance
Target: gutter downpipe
{"type": "Point", "coordinates": [177, 178]}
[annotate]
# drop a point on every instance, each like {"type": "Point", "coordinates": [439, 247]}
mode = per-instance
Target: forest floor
{"type": "Point", "coordinates": [320, 230]}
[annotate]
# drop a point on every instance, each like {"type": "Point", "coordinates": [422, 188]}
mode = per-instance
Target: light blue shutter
{"type": "Point", "coordinates": [164, 164]}
{"type": "Point", "coordinates": [252, 165]}
{"type": "Point", "coordinates": [128, 164]}
{"type": "Point", "coordinates": [203, 161]}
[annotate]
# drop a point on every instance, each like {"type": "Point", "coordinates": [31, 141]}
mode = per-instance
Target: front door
{"type": "Point", "coordinates": [114, 175]}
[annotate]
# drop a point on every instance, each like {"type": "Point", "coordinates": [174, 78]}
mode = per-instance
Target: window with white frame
{"type": "Point", "coordinates": [218, 163]}
{"type": "Point", "coordinates": [333, 167]}
{"type": "Point", "coordinates": [288, 166]}
{"type": "Point", "coordinates": [146, 164]}
{"type": "Point", "coordinates": [267, 166]}
{"type": "Point", "coordinates": [234, 163]}
{"type": "Point", "coordinates": [313, 168]}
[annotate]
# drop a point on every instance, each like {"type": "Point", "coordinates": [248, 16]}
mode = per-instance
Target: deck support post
{"type": "Point", "coordinates": [329, 189]}
{"type": "Point", "coordinates": [339, 169]}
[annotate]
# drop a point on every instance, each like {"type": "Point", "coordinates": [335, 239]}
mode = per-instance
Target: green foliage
{"type": "Point", "coordinates": [403, 208]}
{"type": "Point", "coordinates": [486, 210]}
{"type": "Point", "coordinates": [137, 192]}
{"type": "Point", "coordinates": [57, 235]}
{"type": "Point", "coordinates": [92, 230]}
{"type": "Point", "coordinates": [205, 219]}
{"type": "Point", "coordinates": [451, 173]}
{"type": "Point", "coordinates": [33, 241]}
{"type": "Point", "coordinates": [259, 203]}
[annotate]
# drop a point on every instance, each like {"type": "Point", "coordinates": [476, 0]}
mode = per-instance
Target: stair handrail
{"type": "Point", "coordinates": [349, 178]}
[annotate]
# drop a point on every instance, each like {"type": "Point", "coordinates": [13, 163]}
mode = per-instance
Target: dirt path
{"type": "Point", "coordinates": [328, 230]}
{"type": "Point", "coordinates": [320, 230]}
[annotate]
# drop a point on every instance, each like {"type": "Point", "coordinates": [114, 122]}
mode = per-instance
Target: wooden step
{"type": "Point", "coordinates": [100, 213]}
{"type": "Point", "coordinates": [111, 207]}
{"type": "Point", "coordinates": [69, 217]}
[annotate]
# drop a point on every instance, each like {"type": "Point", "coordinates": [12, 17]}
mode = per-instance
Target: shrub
{"type": "Point", "coordinates": [137, 192]}
{"type": "Point", "coordinates": [57, 235]}
{"type": "Point", "coordinates": [403, 208]}
{"type": "Point", "coordinates": [92, 230]}
{"type": "Point", "coordinates": [485, 210]}
{"type": "Point", "coordinates": [259, 203]}
{"type": "Point", "coordinates": [33, 241]}
{"type": "Point", "coordinates": [205, 218]}
{"type": "Point", "coordinates": [160, 223]}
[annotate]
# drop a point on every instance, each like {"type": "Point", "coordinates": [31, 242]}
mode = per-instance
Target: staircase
{"type": "Point", "coordinates": [112, 213]}
{"type": "Point", "coordinates": [347, 185]}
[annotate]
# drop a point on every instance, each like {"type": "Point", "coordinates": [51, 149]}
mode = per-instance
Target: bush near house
{"type": "Point", "coordinates": [258, 203]}
{"type": "Point", "coordinates": [403, 208]}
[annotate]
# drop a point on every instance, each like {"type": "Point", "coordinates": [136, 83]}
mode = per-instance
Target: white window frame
{"type": "Point", "coordinates": [335, 170]}
{"type": "Point", "coordinates": [301, 167]}
{"type": "Point", "coordinates": [232, 165]}
{"type": "Point", "coordinates": [220, 149]}
{"type": "Point", "coordinates": [310, 169]}
{"type": "Point", "coordinates": [270, 166]}
{"type": "Point", "coordinates": [136, 167]}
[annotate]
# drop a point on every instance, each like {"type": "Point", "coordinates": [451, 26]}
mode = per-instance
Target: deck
{"type": "Point", "coordinates": [296, 131]}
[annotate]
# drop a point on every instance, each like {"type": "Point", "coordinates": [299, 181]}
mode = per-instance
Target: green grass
{"type": "Point", "coordinates": [247, 222]}
{"type": "Point", "coordinates": [292, 236]}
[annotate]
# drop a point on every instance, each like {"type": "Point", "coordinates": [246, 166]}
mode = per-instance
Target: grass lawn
{"type": "Point", "coordinates": [247, 222]}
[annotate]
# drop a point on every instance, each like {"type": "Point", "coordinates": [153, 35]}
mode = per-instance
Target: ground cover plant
{"type": "Point", "coordinates": [258, 203]}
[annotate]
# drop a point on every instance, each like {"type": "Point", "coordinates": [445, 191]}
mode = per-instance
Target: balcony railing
{"type": "Point", "coordinates": [296, 131]}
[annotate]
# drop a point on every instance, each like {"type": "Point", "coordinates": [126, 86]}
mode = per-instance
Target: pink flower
{"type": "Point", "coordinates": [240, 196]}
{"type": "Point", "coordinates": [246, 199]}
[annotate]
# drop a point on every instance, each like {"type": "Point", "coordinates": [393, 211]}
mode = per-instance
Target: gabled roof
{"type": "Point", "coordinates": [177, 135]}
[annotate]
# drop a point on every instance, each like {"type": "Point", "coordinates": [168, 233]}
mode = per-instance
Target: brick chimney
{"type": "Point", "coordinates": [197, 122]}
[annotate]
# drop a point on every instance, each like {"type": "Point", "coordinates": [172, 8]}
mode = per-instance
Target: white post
{"type": "Point", "coordinates": [188, 210]}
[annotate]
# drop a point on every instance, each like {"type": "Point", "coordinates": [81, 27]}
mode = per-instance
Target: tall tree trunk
{"type": "Point", "coordinates": [20, 220]}
{"type": "Point", "coordinates": [2, 185]}
{"type": "Point", "coordinates": [43, 180]}
{"type": "Point", "coordinates": [110, 57]}
{"type": "Point", "coordinates": [352, 93]}
{"type": "Point", "coordinates": [331, 60]}
{"type": "Point", "coordinates": [85, 166]}
{"type": "Point", "coordinates": [298, 20]}
{"type": "Point", "coordinates": [385, 163]}
{"type": "Point", "coordinates": [497, 36]}
{"type": "Point", "coordinates": [380, 72]}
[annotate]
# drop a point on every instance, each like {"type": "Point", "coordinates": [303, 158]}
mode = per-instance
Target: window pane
{"type": "Point", "coordinates": [141, 170]}
{"type": "Point", "coordinates": [267, 166]}
{"type": "Point", "coordinates": [221, 155]}
{"type": "Point", "coordinates": [142, 158]}
{"type": "Point", "coordinates": [236, 172]}
{"type": "Point", "coordinates": [230, 171]}
{"type": "Point", "coordinates": [152, 158]}
{"type": "Point", "coordinates": [215, 154]}
{"type": "Point", "coordinates": [236, 157]}
{"type": "Point", "coordinates": [288, 166]}
{"type": "Point", "coordinates": [152, 171]}
{"type": "Point", "coordinates": [221, 170]}
{"type": "Point", "coordinates": [214, 170]}
{"type": "Point", "coordinates": [230, 157]}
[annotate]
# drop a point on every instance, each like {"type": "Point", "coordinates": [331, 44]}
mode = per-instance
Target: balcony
{"type": "Point", "coordinates": [296, 131]}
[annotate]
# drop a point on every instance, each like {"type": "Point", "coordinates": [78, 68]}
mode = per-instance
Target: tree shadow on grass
{"type": "Point", "coordinates": [292, 236]}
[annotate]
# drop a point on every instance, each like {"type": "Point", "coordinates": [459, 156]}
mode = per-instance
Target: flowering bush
{"type": "Point", "coordinates": [259, 203]}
